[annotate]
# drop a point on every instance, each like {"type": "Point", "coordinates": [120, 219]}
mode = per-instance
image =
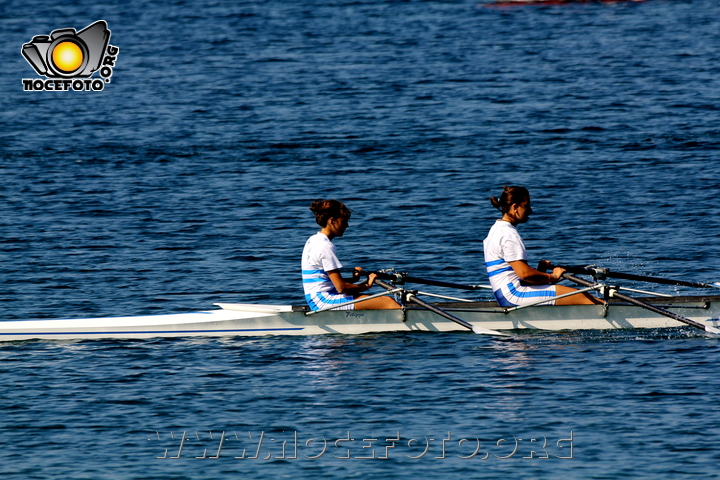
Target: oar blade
{"type": "Point", "coordinates": [712, 329]}
{"type": "Point", "coordinates": [486, 331]}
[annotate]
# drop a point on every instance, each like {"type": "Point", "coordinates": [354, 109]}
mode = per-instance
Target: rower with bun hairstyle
{"type": "Point", "coordinates": [323, 284]}
{"type": "Point", "coordinates": [514, 282]}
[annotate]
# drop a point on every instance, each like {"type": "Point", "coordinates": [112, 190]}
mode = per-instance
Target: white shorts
{"type": "Point", "coordinates": [320, 300]}
{"type": "Point", "coordinates": [514, 294]}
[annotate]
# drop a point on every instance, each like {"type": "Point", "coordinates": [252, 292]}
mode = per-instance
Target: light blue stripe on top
{"type": "Point", "coordinates": [498, 271]}
{"type": "Point", "coordinates": [314, 272]}
{"type": "Point", "coordinates": [315, 280]}
{"type": "Point", "coordinates": [315, 276]}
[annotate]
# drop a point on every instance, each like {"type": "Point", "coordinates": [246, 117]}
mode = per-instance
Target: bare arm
{"type": "Point", "coordinates": [536, 277]}
{"type": "Point", "coordinates": [343, 286]}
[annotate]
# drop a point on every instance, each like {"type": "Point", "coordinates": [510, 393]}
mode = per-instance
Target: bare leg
{"type": "Point", "coordinates": [579, 299]}
{"type": "Point", "coordinates": [378, 303]}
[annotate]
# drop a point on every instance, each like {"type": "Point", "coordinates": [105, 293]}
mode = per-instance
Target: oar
{"type": "Point", "coordinates": [412, 298]}
{"type": "Point", "coordinates": [601, 273]}
{"type": "Point", "coordinates": [647, 306]}
{"type": "Point", "coordinates": [402, 278]}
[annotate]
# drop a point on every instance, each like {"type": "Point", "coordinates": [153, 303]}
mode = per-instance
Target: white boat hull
{"type": "Point", "coordinates": [255, 320]}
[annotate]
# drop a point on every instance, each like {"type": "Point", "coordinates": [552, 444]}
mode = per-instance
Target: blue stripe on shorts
{"type": "Point", "coordinates": [320, 300]}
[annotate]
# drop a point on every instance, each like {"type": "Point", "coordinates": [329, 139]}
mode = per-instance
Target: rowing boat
{"type": "Point", "coordinates": [483, 317]}
{"type": "Point", "coordinates": [251, 320]}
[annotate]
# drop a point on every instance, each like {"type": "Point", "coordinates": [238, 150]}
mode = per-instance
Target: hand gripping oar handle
{"type": "Point", "coordinates": [602, 273]}
{"type": "Point", "coordinates": [410, 297]}
{"type": "Point", "coordinates": [647, 306]}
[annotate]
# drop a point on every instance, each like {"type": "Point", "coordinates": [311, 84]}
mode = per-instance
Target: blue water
{"type": "Point", "coordinates": [187, 181]}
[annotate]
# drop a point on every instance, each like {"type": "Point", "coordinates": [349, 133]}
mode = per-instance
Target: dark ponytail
{"type": "Point", "coordinates": [510, 196]}
{"type": "Point", "coordinates": [327, 209]}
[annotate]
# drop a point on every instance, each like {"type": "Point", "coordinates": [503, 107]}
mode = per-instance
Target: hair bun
{"type": "Point", "coordinates": [511, 196]}
{"type": "Point", "coordinates": [327, 209]}
{"type": "Point", "coordinates": [317, 205]}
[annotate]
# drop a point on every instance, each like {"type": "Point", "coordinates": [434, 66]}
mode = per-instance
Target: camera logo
{"type": "Point", "coordinates": [68, 59]}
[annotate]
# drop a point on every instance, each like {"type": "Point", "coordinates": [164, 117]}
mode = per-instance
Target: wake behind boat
{"type": "Point", "coordinates": [231, 319]}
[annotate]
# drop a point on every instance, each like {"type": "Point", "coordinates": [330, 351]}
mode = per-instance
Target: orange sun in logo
{"type": "Point", "coordinates": [67, 56]}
